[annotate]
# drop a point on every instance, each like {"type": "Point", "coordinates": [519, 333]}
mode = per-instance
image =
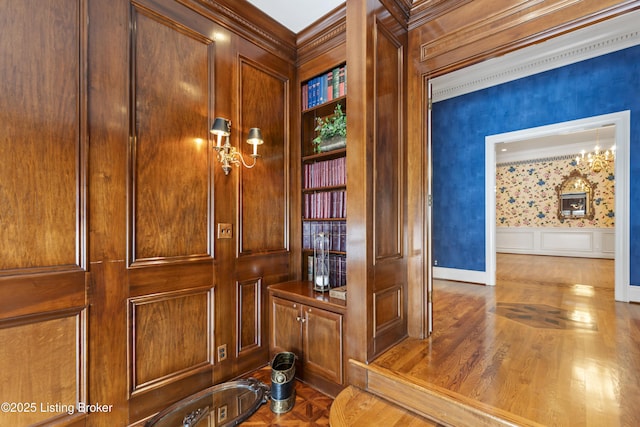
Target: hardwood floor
{"type": "Point", "coordinates": [547, 344]}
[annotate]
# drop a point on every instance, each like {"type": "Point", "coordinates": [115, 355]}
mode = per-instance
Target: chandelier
{"type": "Point", "coordinates": [598, 159]}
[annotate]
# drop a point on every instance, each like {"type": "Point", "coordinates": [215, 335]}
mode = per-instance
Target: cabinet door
{"type": "Point", "coordinates": [286, 327]}
{"type": "Point", "coordinates": [323, 343]}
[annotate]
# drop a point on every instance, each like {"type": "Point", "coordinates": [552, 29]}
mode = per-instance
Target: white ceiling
{"type": "Point", "coordinates": [556, 145]}
{"type": "Point", "coordinates": [296, 15]}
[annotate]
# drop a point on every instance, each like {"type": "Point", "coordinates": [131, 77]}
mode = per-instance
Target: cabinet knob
{"type": "Point", "coordinates": [301, 319]}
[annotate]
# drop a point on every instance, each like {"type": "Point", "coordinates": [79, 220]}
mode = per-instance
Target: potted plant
{"type": "Point", "coordinates": [332, 131]}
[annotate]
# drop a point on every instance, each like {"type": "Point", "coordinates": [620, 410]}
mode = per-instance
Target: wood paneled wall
{"type": "Point", "coordinates": [43, 221]}
{"type": "Point", "coordinates": [114, 287]}
{"type": "Point", "coordinates": [376, 242]}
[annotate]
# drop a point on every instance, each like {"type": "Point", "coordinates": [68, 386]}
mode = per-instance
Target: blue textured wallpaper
{"type": "Point", "coordinates": [603, 85]}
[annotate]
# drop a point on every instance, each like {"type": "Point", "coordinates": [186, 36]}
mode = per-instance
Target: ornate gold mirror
{"type": "Point", "coordinates": [575, 197]}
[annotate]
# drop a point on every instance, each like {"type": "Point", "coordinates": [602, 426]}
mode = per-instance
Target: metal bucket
{"type": "Point", "coordinates": [283, 393]}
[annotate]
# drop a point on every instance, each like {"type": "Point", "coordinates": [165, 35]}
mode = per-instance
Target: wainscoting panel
{"type": "Point", "coordinates": [171, 337]}
{"type": "Point", "coordinates": [172, 92]}
{"type": "Point", "coordinates": [249, 315]}
{"type": "Point", "coordinates": [263, 190]}
{"type": "Point", "coordinates": [43, 365]}
{"type": "Point", "coordinates": [387, 309]}
{"type": "Point", "coordinates": [572, 242]}
{"type": "Point", "coordinates": [388, 158]}
{"type": "Point", "coordinates": [42, 207]}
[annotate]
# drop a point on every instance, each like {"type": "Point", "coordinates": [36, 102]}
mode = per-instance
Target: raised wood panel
{"type": "Point", "coordinates": [388, 309]}
{"type": "Point", "coordinates": [249, 315]}
{"type": "Point", "coordinates": [172, 93]}
{"type": "Point", "coordinates": [171, 337]}
{"type": "Point", "coordinates": [286, 329]}
{"type": "Point", "coordinates": [388, 153]}
{"type": "Point", "coordinates": [389, 305]}
{"type": "Point", "coordinates": [42, 143]}
{"type": "Point", "coordinates": [263, 190]}
{"type": "Point", "coordinates": [43, 364]}
{"type": "Point", "coordinates": [323, 344]}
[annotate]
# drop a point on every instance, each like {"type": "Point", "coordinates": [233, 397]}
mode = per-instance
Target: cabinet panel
{"type": "Point", "coordinates": [323, 343]}
{"type": "Point", "coordinates": [286, 329]}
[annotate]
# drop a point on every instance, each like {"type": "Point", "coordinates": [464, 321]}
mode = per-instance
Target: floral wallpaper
{"type": "Point", "coordinates": [526, 194]}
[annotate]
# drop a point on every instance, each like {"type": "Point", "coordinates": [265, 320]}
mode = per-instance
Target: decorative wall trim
{"type": "Point", "coordinates": [570, 242]}
{"type": "Point", "coordinates": [159, 323]}
{"type": "Point", "coordinates": [544, 159]}
{"type": "Point", "coordinates": [244, 26]}
{"type": "Point", "coordinates": [248, 316]}
{"type": "Point", "coordinates": [393, 297]}
{"type": "Point", "coordinates": [596, 40]}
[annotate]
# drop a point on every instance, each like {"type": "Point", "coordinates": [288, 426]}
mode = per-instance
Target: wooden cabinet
{"type": "Point", "coordinates": [311, 327]}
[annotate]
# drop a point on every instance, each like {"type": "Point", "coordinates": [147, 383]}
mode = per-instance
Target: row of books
{"type": "Point", "coordinates": [334, 232]}
{"type": "Point", "coordinates": [325, 87]}
{"type": "Point", "coordinates": [325, 204]}
{"type": "Point", "coordinates": [326, 173]}
{"type": "Point", "coordinates": [337, 270]}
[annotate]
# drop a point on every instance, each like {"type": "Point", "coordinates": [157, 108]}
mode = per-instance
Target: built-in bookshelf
{"type": "Point", "coordinates": [324, 177]}
{"type": "Point", "coordinates": [325, 87]}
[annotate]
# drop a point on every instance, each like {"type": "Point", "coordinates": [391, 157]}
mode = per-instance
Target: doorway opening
{"type": "Point", "coordinates": [621, 122]}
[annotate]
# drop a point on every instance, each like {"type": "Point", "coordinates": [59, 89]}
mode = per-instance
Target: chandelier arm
{"type": "Point", "coordinates": [244, 163]}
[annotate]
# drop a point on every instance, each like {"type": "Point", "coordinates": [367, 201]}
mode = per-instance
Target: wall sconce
{"type": "Point", "coordinates": [228, 155]}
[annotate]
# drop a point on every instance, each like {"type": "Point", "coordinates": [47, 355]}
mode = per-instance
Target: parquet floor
{"type": "Point", "coordinates": [547, 343]}
{"type": "Point", "coordinates": [311, 407]}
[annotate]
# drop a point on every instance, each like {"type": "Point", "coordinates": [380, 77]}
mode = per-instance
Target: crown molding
{"type": "Point", "coordinates": [246, 20]}
{"type": "Point", "coordinates": [599, 39]}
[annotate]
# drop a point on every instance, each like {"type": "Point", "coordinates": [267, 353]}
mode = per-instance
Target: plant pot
{"type": "Point", "coordinates": [332, 144]}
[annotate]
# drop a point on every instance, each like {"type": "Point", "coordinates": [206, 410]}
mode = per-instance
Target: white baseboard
{"type": "Point", "coordinates": [634, 293]}
{"type": "Point", "coordinates": [458, 275]}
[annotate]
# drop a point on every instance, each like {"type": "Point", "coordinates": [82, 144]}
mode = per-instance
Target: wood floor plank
{"type": "Point", "coordinates": [548, 343]}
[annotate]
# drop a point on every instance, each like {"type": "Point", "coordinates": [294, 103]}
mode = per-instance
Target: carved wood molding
{"type": "Point", "coordinates": [590, 42]}
{"type": "Point", "coordinates": [494, 24]}
{"type": "Point", "coordinates": [322, 35]}
{"type": "Point", "coordinates": [425, 11]}
{"type": "Point", "coordinates": [244, 24]}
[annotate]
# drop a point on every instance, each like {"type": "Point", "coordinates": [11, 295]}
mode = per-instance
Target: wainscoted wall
{"type": "Point", "coordinates": [557, 241]}
{"type": "Point", "coordinates": [527, 210]}
{"type": "Point", "coordinates": [526, 194]}
{"type": "Point", "coordinates": [114, 285]}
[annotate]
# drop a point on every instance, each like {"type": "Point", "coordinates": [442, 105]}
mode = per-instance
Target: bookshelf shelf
{"type": "Point", "coordinates": [323, 183]}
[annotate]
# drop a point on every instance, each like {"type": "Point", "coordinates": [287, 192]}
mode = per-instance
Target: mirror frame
{"type": "Point", "coordinates": [260, 390]}
{"type": "Point", "coordinates": [589, 207]}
